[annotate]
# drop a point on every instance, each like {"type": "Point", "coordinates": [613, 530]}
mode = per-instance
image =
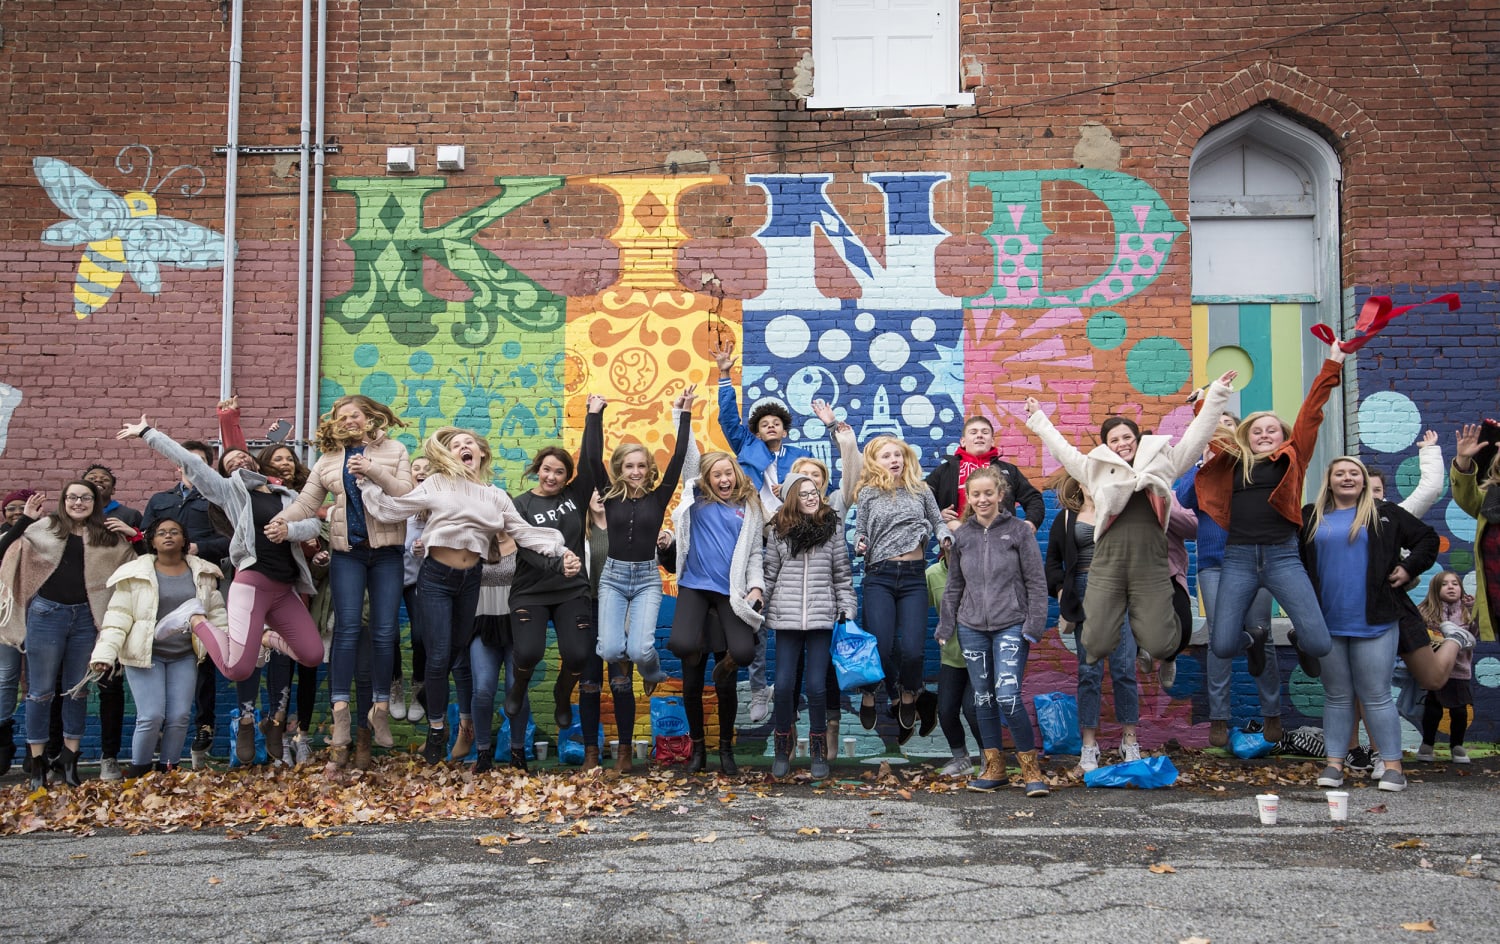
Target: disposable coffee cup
{"type": "Point", "coordinates": [614, 749]}
{"type": "Point", "coordinates": [1269, 804]}
{"type": "Point", "coordinates": [802, 747]}
{"type": "Point", "coordinates": [1338, 805]}
{"type": "Point", "coordinates": [642, 750]}
{"type": "Point", "coordinates": [541, 750]}
{"type": "Point", "coordinates": [848, 747]}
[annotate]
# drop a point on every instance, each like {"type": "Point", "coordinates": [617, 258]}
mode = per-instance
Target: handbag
{"type": "Point", "coordinates": [856, 656]}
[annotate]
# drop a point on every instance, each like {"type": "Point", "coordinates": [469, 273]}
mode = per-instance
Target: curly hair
{"type": "Point", "coordinates": [769, 408]}
{"type": "Point", "coordinates": [331, 437]}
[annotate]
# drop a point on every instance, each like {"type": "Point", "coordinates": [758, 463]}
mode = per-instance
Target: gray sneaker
{"type": "Point", "coordinates": [1393, 781]}
{"type": "Point", "coordinates": [109, 769]}
{"type": "Point", "coordinates": [301, 750]}
{"type": "Point", "coordinates": [959, 766]}
{"type": "Point", "coordinates": [1458, 634]}
{"type": "Point", "coordinates": [760, 704]}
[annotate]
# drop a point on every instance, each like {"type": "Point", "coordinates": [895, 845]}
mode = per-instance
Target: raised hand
{"type": "Point", "coordinates": [119, 527]}
{"type": "Point", "coordinates": [1336, 352]}
{"type": "Point", "coordinates": [684, 401]}
{"type": "Point", "coordinates": [35, 506]}
{"type": "Point", "coordinates": [1429, 438]}
{"type": "Point", "coordinates": [1032, 405]}
{"type": "Point", "coordinates": [230, 403]}
{"type": "Point", "coordinates": [131, 430]}
{"type": "Point", "coordinates": [1227, 379]}
{"type": "Point", "coordinates": [824, 413]}
{"type": "Point", "coordinates": [597, 403]}
{"type": "Point", "coordinates": [723, 354]}
{"type": "Point", "coordinates": [1467, 444]}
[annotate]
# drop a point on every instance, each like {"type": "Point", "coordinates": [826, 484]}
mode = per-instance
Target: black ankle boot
{"type": "Point", "coordinates": [782, 764]}
{"type": "Point", "coordinates": [137, 770]}
{"type": "Point", "coordinates": [699, 759]}
{"type": "Point", "coordinates": [518, 759]}
{"type": "Point", "coordinates": [726, 759]}
{"type": "Point", "coordinates": [69, 761]}
{"type": "Point", "coordinates": [38, 768]}
{"type": "Point", "coordinates": [484, 762]}
{"type": "Point", "coordinates": [436, 747]}
{"type": "Point", "coordinates": [515, 693]}
{"type": "Point", "coordinates": [7, 745]}
{"type": "Point", "coordinates": [562, 699]}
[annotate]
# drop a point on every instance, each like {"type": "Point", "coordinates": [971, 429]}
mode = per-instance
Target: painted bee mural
{"type": "Point", "coordinates": [121, 234]}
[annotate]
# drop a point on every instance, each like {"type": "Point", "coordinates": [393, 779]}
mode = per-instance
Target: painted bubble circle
{"type": "Point", "coordinates": [420, 362]}
{"type": "Point", "coordinates": [854, 374]}
{"type": "Point", "coordinates": [1409, 475]}
{"type": "Point", "coordinates": [1222, 360]}
{"type": "Point", "coordinates": [834, 344]}
{"type": "Point", "coordinates": [1460, 525]}
{"type": "Point", "coordinates": [889, 351]}
{"type": "Point", "coordinates": [787, 336]}
{"type": "Point", "coordinates": [923, 328]}
{"type": "Point", "coordinates": [366, 355]}
{"type": "Point", "coordinates": [918, 411]}
{"type": "Point", "coordinates": [1487, 672]}
{"type": "Point", "coordinates": [1158, 366]}
{"type": "Point", "coordinates": [864, 321]}
{"type": "Point", "coordinates": [1388, 421]}
{"type": "Point", "coordinates": [1106, 330]}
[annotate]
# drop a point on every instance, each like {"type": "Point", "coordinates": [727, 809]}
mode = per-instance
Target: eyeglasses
{"type": "Point", "coordinates": [79, 499]}
{"type": "Point", "coordinates": [168, 532]}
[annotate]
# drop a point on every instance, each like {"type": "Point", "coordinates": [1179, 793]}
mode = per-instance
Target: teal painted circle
{"type": "Point", "coordinates": [1008, 267]}
{"type": "Point", "coordinates": [380, 387]}
{"type": "Point", "coordinates": [1026, 283]}
{"type": "Point", "coordinates": [1106, 330]}
{"type": "Point", "coordinates": [511, 349]}
{"type": "Point", "coordinates": [328, 391]}
{"type": "Point", "coordinates": [1409, 474]}
{"type": "Point", "coordinates": [420, 362]}
{"type": "Point", "coordinates": [1487, 672]}
{"type": "Point", "coordinates": [1306, 693]}
{"type": "Point", "coordinates": [1147, 263]}
{"type": "Point", "coordinates": [367, 355]}
{"type": "Point", "coordinates": [1460, 525]}
{"type": "Point", "coordinates": [1012, 247]}
{"type": "Point", "coordinates": [1388, 421]}
{"type": "Point", "coordinates": [1158, 366]}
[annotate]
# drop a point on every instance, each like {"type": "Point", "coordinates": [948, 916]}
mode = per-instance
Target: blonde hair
{"type": "Point", "coordinates": [1069, 493]}
{"type": "Point", "coordinates": [1492, 475]}
{"type": "Point", "coordinates": [874, 475]}
{"type": "Point", "coordinates": [437, 450]}
{"type": "Point", "coordinates": [815, 463]}
{"type": "Point", "coordinates": [1364, 512]}
{"type": "Point", "coordinates": [985, 472]}
{"type": "Point", "coordinates": [1432, 606]}
{"type": "Point", "coordinates": [618, 488]}
{"type": "Point", "coordinates": [1240, 448]}
{"type": "Point", "coordinates": [331, 438]}
{"type": "Point", "coordinates": [744, 492]}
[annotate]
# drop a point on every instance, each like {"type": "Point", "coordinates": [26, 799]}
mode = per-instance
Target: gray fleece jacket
{"type": "Point", "coordinates": [810, 590]}
{"type": "Point", "coordinates": [996, 579]}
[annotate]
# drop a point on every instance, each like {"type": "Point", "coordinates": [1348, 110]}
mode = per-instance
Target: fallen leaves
{"type": "Point", "coordinates": [1194, 940]}
{"type": "Point", "coordinates": [809, 830]}
{"type": "Point", "coordinates": [711, 837]}
{"type": "Point", "coordinates": [1161, 868]}
{"type": "Point", "coordinates": [640, 837]}
{"type": "Point", "coordinates": [1426, 927]}
{"type": "Point", "coordinates": [1412, 843]}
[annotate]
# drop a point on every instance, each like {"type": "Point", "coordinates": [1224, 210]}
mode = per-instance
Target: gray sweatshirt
{"type": "Point", "coordinates": [995, 579]}
{"type": "Point", "coordinates": [894, 522]}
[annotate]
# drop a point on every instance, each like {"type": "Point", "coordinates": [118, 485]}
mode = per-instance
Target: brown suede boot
{"type": "Point", "coordinates": [1031, 773]}
{"type": "Point", "coordinates": [993, 776]}
{"type": "Point", "coordinates": [622, 756]}
{"type": "Point", "coordinates": [831, 737]}
{"type": "Point", "coordinates": [362, 759]}
{"type": "Point", "coordinates": [591, 757]}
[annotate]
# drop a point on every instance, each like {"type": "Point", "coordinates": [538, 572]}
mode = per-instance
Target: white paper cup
{"type": "Point", "coordinates": [1338, 805]}
{"type": "Point", "coordinates": [849, 747]}
{"type": "Point", "coordinates": [642, 750]}
{"type": "Point", "coordinates": [614, 749]}
{"type": "Point", "coordinates": [802, 747]}
{"type": "Point", "coordinates": [1269, 804]}
{"type": "Point", "coordinates": [541, 750]}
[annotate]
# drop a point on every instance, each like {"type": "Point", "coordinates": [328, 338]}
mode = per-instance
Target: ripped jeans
{"type": "Point", "coordinates": [997, 667]}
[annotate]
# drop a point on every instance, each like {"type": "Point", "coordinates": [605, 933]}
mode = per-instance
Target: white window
{"type": "Point", "coordinates": [885, 53]}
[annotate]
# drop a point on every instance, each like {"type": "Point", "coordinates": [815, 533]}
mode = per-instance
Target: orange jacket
{"type": "Point", "coordinates": [1216, 478]}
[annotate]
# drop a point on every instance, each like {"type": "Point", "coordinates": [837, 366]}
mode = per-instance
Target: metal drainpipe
{"type": "Point", "coordinates": [231, 196]}
{"type": "Point", "coordinates": [299, 434]}
{"type": "Point", "coordinates": [316, 294]}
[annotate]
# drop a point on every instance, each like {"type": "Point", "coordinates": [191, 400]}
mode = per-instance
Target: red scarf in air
{"type": "Point", "coordinates": [968, 462]}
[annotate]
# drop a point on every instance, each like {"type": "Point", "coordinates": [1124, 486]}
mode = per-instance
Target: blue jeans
{"type": "Point", "coordinates": [895, 613]}
{"type": "Point", "coordinates": [1121, 669]}
{"type": "Point", "coordinates": [1249, 568]}
{"type": "Point", "coordinates": [997, 666]}
{"type": "Point", "coordinates": [629, 601]}
{"type": "Point", "coordinates": [1362, 668]}
{"type": "Point", "coordinates": [10, 681]}
{"type": "Point", "coordinates": [1221, 670]}
{"type": "Point", "coordinates": [447, 599]}
{"type": "Point", "coordinates": [378, 570]}
{"type": "Point", "coordinates": [163, 701]}
{"type": "Point", "coordinates": [484, 663]}
{"type": "Point", "coordinates": [791, 648]}
{"type": "Point", "coordinates": [59, 639]}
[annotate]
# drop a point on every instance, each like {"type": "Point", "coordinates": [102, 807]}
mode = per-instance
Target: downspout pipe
{"type": "Point", "coordinates": [305, 143]}
{"type": "Point", "coordinates": [320, 138]}
{"type": "Point", "coordinates": [231, 198]}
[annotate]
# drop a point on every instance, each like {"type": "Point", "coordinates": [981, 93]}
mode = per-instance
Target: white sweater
{"type": "Point", "coordinates": [461, 514]}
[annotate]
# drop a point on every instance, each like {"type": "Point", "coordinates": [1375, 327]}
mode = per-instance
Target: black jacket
{"type": "Point", "coordinates": [191, 511]}
{"type": "Point", "coordinates": [1062, 565]}
{"type": "Point", "coordinates": [1398, 530]}
{"type": "Point", "coordinates": [944, 484]}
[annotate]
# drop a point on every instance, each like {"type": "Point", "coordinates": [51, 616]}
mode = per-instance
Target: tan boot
{"type": "Point", "coordinates": [464, 742]}
{"type": "Point", "coordinates": [380, 724]}
{"type": "Point", "coordinates": [622, 757]}
{"type": "Point", "coordinates": [1272, 731]}
{"type": "Point", "coordinates": [993, 777]}
{"type": "Point", "coordinates": [338, 742]}
{"type": "Point", "coordinates": [1218, 733]}
{"type": "Point", "coordinates": [1031, 773]}
{"type": "Point", "coordinates": [591, 757]}
{"type": "Point", "coordinates": [832, 737]}
{"type": "Point", "coordinates": [362, 760]}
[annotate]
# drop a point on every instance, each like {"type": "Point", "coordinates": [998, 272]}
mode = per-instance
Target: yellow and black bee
{"type": "Point", "coordinates": [119, 234]}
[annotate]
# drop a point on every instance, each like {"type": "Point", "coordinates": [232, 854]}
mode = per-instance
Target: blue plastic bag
{"type": "Point", "coordinates": [668, 717]}
{"type": "Point", "coordinates": [1248, 746]}
{"type": "Point", "coordinates": [1057, 715]}
{"type": "Point", "coordinates": [502, 737]}
{"type": "Point", "coordinates": [570, 744]}
{"type": "Point", "coordinates": [260, 739]}
{"type": "Point", "coordinates": [1146, 773]}
{"type": "Point", "coordinates": [856, 656]}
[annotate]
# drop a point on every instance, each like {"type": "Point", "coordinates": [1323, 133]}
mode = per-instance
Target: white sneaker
{"type": "Point", "coordinates": [415, 713]}
{"type": "Point", "coordinates": [1130, 750]}
{"type": "Point", "coordinates": [1088, 757]}
{"type": "Point", "coordinates": [1424, 754]}
{"type": "Point", "coordinates": [1378, 770]}
{"type": "Point", "coordinates": [301, 750]}
{"type": "Point", "coordinates": [1458, 634]}
{"type": "Point", "coordinates": [398, 701]}
{"type": "Point", "coordinates": [179, 620]}
{"type": "Point", "coordinates": [1143, 663]}
{"type": "Point", "coordinates": [109, 769]}
{"type": "Point", "coordinates": [1460, 755]}
{"type": "Point", "coordinates": [958, 767]}
{"type": "Point", "coordinates": [760, 704]}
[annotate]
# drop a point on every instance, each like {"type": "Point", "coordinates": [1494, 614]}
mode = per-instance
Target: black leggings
{"type": "Point", "coordinates": [691, 638]}
{"type": "Point", "coordinates": [418, 648]}
{"type": "Point", "coordinates": [1432, 716]}
{"type": "Point", "coordinates": [278, 677]}
{"type": "Point", "coordinates": [955, 699]}
{"type": "Point", "coordinates": [692, 698]}
{"type": "Point", "coordinates": [573, 621]}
